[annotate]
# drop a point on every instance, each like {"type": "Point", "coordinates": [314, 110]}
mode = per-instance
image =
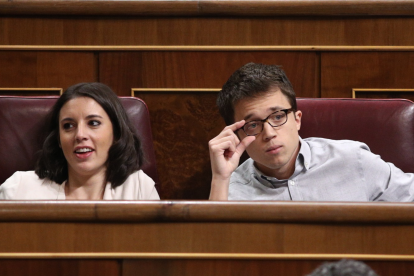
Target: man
{"type": "Point", "coordinates": [258, 105]}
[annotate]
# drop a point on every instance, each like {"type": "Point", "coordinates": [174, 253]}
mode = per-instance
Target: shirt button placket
{"type": "Point", "coordinates": [293, 188]}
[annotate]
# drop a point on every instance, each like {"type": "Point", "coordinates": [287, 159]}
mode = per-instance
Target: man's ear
{"type": "Point", "coordinates": [298, 119]}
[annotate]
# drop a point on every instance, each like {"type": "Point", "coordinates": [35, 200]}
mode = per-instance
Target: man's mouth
{"type": "Point", "coordinates": [274, 149]}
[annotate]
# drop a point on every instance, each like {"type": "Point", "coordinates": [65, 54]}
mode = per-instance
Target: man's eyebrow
{"type": "Point", "coordinates": [270, 109]}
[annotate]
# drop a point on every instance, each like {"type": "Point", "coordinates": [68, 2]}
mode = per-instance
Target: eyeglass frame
{"type": "Point", "coordinates": [265, 120]}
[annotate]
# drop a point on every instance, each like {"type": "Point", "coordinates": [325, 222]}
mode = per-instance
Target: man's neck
{"type": "Point", "coordinates": [282, 173]}
{"type": "Point", "coordinates": [285, 171]}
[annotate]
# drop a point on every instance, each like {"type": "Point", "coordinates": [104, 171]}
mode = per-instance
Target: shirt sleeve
{"type": "Point", "coordinates": [148, 190]}
{"type": "Point", "coordinates": [384, 181]}
{"type": "Point", "coordinates": [154, 194]}
{"type": "Point", "coordinates": [9, 187]}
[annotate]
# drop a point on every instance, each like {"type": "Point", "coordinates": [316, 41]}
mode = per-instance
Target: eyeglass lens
{"type": "Point", "coordinates": [275, 119]}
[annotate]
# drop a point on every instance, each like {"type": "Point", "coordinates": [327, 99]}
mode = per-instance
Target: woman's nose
{"type": "Point", "coordinates": [81, 133]}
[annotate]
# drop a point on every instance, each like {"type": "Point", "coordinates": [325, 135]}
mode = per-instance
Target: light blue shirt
{"type": "Point", "coordinates": [327, 170]}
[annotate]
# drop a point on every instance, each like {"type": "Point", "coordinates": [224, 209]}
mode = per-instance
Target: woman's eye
{"type": "Point", "coordinates": [67, 125]}
{"type": "Point", "coordinates": [94, 123]}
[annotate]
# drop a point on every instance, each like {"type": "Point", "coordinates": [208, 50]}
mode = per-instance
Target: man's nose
{"type": "Point", "coordinates": [268, 131]}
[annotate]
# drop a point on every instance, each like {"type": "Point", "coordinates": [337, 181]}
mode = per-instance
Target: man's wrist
{"type": "Point", "coordinates": [219, 188]}
{"type": "Point", "coordinates": [220, 178]}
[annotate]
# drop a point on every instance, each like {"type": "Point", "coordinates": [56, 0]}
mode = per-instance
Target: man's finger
{"type": "Point", "coordinates": [235, 126]}
{"type": "Point", "coordinates": [244, 144]}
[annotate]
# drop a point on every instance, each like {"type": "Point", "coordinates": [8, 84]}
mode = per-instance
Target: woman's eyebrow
{"type": "Point", "coordinates": [93, 116]}
{"type": "Point", "coordinates": [67, 119]}
{"type": "Point", "coordinates": [87, 117]}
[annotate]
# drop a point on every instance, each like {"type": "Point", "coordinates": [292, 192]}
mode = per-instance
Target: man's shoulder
{"type": "Point", "coordinates": [321, 151]}
{"type": "Point", "coordinates": [331, 144]}
{"type": "Point", "coordinates": [243, 173]}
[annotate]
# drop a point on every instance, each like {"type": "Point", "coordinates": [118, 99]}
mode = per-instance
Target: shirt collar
{"type": "Point", "coordinates": [305, 154]}
{"type": "Point", "coordinates": [302, 163]}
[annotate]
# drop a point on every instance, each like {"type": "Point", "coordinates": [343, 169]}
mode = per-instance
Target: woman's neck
{"type": "Point", "coordinates": [80, 187]}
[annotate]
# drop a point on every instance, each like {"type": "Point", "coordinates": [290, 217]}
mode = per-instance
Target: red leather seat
{"type": "Point", "coordinates": [385, 125]}
{"type": "Point", "coordinates": [22, 124]}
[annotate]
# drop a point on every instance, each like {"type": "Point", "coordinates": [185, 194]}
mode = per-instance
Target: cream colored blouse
{"type": "Point", "coordinates": [28, 186]}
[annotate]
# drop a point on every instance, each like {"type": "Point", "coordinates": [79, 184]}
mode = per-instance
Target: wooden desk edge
{"type": "Point", "coordinates": [210, 8]}
{"type": "Point", "coordinates": [205, 256]}
{"type": "Point", "coordinates": [208, 211]}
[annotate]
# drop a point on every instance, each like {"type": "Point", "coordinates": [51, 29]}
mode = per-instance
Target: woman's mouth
{"type": "Point", "coordinates": [83, 152]}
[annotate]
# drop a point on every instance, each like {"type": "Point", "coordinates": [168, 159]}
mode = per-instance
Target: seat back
{"type": "Point", "coordinates": [385, 125]}
{"type": "Point", "coordinates": [22, 128]}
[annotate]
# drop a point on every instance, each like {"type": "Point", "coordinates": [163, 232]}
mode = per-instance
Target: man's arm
{"type": "Point", "coordinates": [225, 151]}
{"type": "Point", "coordinates": [386, 182]}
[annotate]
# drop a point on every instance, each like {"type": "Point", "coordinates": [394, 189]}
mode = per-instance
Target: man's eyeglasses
{"type": "Point", "coordinates": [275, 119]}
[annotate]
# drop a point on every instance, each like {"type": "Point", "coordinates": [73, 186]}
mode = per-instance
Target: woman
{"type": "Point", "coordinates": [91, 152]}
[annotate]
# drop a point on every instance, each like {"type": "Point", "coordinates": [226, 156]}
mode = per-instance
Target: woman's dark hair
{"type": "Point", "coordinates": [249, 81]}
{"type": "Point", "coordinates": [125, 156]}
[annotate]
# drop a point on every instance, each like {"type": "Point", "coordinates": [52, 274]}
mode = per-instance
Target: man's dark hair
{"type": "Point", "coordinates": [249, 81]}
{"type": "Point", "coordinates": [125, 156]}
{"type": "Point", "coordinates": [344, 268]}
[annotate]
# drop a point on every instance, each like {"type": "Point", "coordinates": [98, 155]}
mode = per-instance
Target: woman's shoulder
{"type": "Point", "coordinates": [25, 175]}
{"type": "Point", "coordinates": [27, 185]}
{"type": "Point", "coordinates": [19, 177]}
{"type": "Point", "coordinates": [9, 188]}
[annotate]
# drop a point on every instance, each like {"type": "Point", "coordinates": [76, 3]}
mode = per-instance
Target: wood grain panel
{"type": "Point", "coordinates": [125, 70]}
{"type": "Point", "coordinates": [384, 93]}
{"type": "Point", "coordinates": [59, 267]}
{"type": "Point", "coordinates": [182, 124]}
{"type": "Point", "coordinates": [198, 245]}
{"type": "Point", "coordinates": [328, 31]}
{"type": "Point", "coordinates": [212, 69]}
{"type": "Point", "coordinates": [341, 72]}
{"type": "Point", "coordinates": [122, 71]}
{"type": "Point", "coordinates": [39, 31]}
{"type": "Point", "coordinates": [207, 237]}
{"type": "Point", "coordinates": [46, 69]}
{"type": "Point", "coordinates": [31, 91]}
